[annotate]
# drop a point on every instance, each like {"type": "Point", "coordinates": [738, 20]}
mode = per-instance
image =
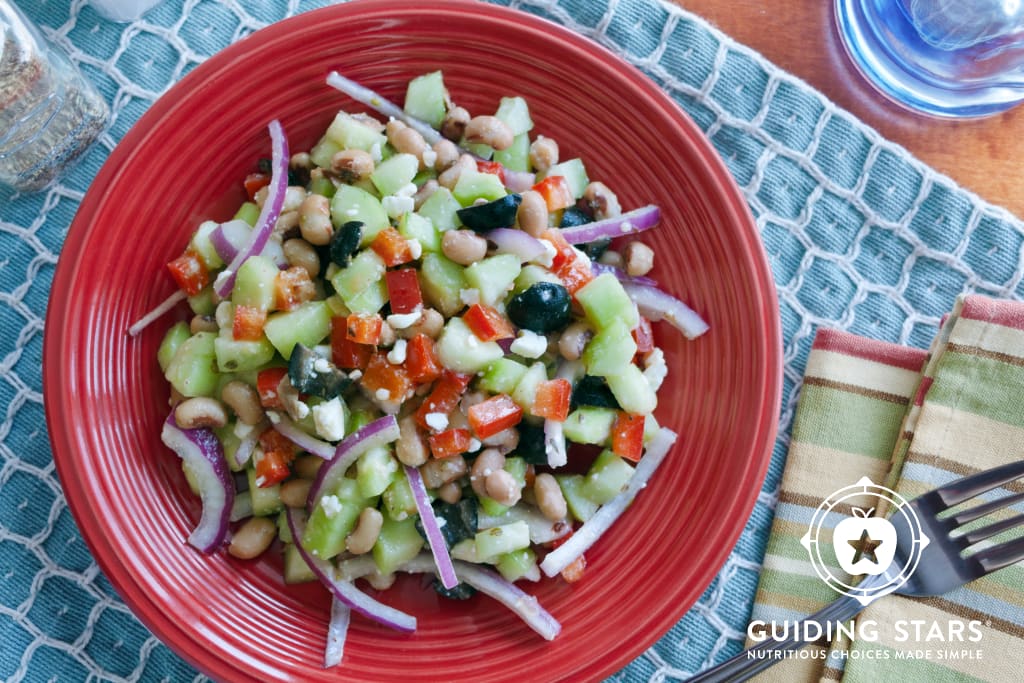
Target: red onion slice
{"type": "Point", "coordinates": [202, 453]}
{"type": "Point", "coordinates": [161, 308]}
{"type": "Point", "coordinates": [621, 275]}
{"type": "Point", "coordinates": [658, 305]}
{"type": "Point", "coordinates": [591, 530]}
{"type": "Point", "coordinates": [516, 242]}
{"type": "Point", "coordinates": [337, 631]}
{"type": "Point", "coordinates": [343, 590]}
{"type": "Point", "coordinates": [230, 238]}
{"type": "Point", "coordinates": [381, 105]}
{"type": "Point", "coordinates": [637, 220]}
{"type": "Point", "coordinates": [288, 429]}
{"type": "Point", "coordinates": [435, 539]}
{"type": "Point", "coordinates": [268, 215]}
{"type": "Point", "coordinates": [380, 432]}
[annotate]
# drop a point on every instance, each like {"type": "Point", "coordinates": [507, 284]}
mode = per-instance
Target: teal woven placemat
{"type": "Point", "coordinates": [860, 235]}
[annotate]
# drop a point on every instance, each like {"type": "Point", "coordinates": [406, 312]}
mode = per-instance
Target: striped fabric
{"type": "Point", "coordinates": [912, 420]}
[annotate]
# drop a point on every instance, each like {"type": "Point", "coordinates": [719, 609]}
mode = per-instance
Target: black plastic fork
{"type": "Point", "coordinates": [944, 564]}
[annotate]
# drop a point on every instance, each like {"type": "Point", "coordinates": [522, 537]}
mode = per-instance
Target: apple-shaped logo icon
{"type": "Point", "coordinates": [864, 544]}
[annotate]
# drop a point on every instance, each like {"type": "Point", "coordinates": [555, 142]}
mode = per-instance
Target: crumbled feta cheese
{"type": "Point", "coordinates": [321, 365]}
{"type": "Point", "coordinates": [382, 394]}
{"type": "Point", "coordinates": [436, 421]}
{"type": "Point", "coordinates": [222, 278]}
{"type": "Point", "coordinates": [329, 419]}
{"type": "Point", "coordinates": [474, 445]}
{"type": "Point", "coordinates": [396, 356]}
{"type": "Point", "coordinates": [395, 206]}
{"type": "Point", "coordinates": [441, 521]}
{"type": "Point", "coordinates": [415, 248]}
{"type": "Point", "coordinates": [260, 481]}
{"type": "Point", "coordinates": [331, 506]}
{"type": "Point", "coordinates": [273, 417]}
{"type": "Point", "coordinates": [529, 344]}
{"type": "Point", "coordinates": [351, 212]}
{"type": "Point", "coordinates": [625, 227]}
{"type": "Point", "coordinates": [548, 257]}
{"type": "Point", "coordinates": [655, 368]}
{"type": "Point", "coordinates": [400, 321]}
{"type": "Point", "coordinates": [298, 409]}
{"type": "Point", "coordinates": [469, 296]}
{"type": "Point", "coordinates": [429, 158]}
{"type": "Point", "coordinates": [407, 190]}
{"type": "Point", "coordinates": [242, 430]}
{"type": "Point", "coordinates": [355, 375]}
{"type": "Point", "coordinates": [375, 153]}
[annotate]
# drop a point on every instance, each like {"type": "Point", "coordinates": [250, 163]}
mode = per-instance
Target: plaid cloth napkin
{"type": "Point", "coordinates": [912, 420]}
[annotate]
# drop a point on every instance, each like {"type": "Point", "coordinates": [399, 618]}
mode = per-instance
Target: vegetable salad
{"type": "Point", "coordinates": [397, 342]}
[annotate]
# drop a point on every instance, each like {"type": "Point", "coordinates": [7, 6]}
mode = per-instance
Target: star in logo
{"type": "Point", "coordinates": [865, 547]}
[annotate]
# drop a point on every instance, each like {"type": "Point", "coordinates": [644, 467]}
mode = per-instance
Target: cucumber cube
{"type": "Point", "coordinates": [333, 519]}
{"type": "Point", "coordinates": [502, 376]}
{"type": "Point", "coordinates": [193, 369]}
{"type": "Point", "coordinates": [394, 174]}
{"type": "Point", "coordinates": [266, 500]}
{"type": "Point", "coordinates": [413, 226]}
{"type": "Point", "coordinates": [241, 356]}
{"type": "Point", "coordinates": [202, 303]}
{"type": "Point", "coordinates": [350, 133]}
{"type": "Point", "coordinates": [607, 476]}
{"type": "Point", "coordinates": [526, 390]}
{"type": "Point", "coordinates": [604, 300]}
{"type": "Point", "coordinates": [370, 300]}
{"type": "Point", "coordinates": [255, 282]}
{"type": "Point", "coordinates": [440, 207]}
{"type": "Point", "coordinates": [517, 156]}
{"type": "Point", "coordinates": [530, 275]}
{"type": "Point", "coordinates": [398, 499]}
{"type": "Point", "coordinates": [516, 114]}
{"type": "Point", "coordinates": [425, 98]}
{"type": "Point", "coordinates": [295, 569]}
{"type": "Point", "coordinates": [580, 507]}
{"type": "Point", "coordinates": [173, 338]}
{"type": "Point", "coordinates": [460, 350]}
{"type": "Point", "coordinates": [441, 281]}
{"type": "Point", "coordinates": [308, 325]}
{"type": "Point", "coordinates": [632, 390]}
{"type": "Point", "coordinates": [502, 539]}
{"type": "Point", "coordinates": [351, 203]}
{"type": "Point", "coordinates": [474, 185]}
{"type": "Point", "coordinates": [362, 271]}
{"type": "Point", "coordinates": [574, 173]}
{"type": "Point", "coordinates": [375, 470]}
{"type": "Point", "coordinates": [323, 152]}
{"type": "Point", "coordinates": [493, 276]}
{"type": "Point", "coordinates": [589, 424]}
{"type": "Point", "coordinates": [611, 349]}
{"type": "Point", "coordinates": [397, 543]}
{"type": "Point", "coordinates": [248, 212]}
{"type": "Point", "coordinates": [517, 564]}
{"type": "Point", "coordinates": [201, 245]}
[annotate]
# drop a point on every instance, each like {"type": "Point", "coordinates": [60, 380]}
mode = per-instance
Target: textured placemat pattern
{"type": "Point", "coordinates": [860, 235]}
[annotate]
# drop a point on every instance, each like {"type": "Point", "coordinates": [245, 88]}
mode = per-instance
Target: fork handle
{"type": "Point", "coordinates": [758, 658]}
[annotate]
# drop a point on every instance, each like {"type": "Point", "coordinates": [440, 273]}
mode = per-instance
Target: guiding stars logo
{"type": "Point", "coordinates": [862, 544]}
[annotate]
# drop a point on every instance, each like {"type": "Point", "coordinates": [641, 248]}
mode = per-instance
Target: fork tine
{"type": "Point", "coordinates": [990, 530]}
{"type": "Point", "coordinates": [999, 556]}
{"type": "Point", "coordinates": [980, 511]}
{"type": "Point", "coordinates": [960, 490]}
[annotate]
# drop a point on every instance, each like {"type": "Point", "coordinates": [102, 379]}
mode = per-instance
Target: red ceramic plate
{"type": "Point", "coordinates": [183, 162]}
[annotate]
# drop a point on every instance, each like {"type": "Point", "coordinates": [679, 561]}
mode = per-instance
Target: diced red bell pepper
{"type": "Point", "coordinates": [556, 192]}
{"type": "Point", "coordinates": [248, 323]}
{"type": "Point", "coordinates": [267, 382]}
{"type": "Point", "coordinates": [492, 167]}
{"type": "Point", "coordinates": [575, 274]}
{"type": "Point", "coordinates": [444, 396]}
{"type": "Point", "coordinates": [363, 328]}
{"type": "Point", "coordinates": [189, 272]}
{"type": "Point", "coordinates": [574, 571]}
{"type": "Point", "coordinates": [420, 360]}
{"type": "Point", "coordinates": [403, 290]}
{"type": "Point", "coordinates": [643, 335]}
{"type": "Point", "coordinates": [392, 247]}
{"type": "Point", "coordinates": [497, 413]}
{"type": "Point", "coordinates": [628, 436]}
{"type": "Point", "coordinates": [487, 323]}
{"type": "Point", "coordinates": [292, 287]}
{"type": "Point", "coordinates": [449, 442]}
{"type": "Point", "coordinates": [552, 399]}
{"type": "Point", "coordinates": [347, 354]}
{"type": "Point", "coordinates": [254, 182]}
{"type": "Point", "coordinates": [384, 381]}
{"type": "Point", "coordinates": [273, 465]}
{"type": "Point", "coordinates": [564, 253]}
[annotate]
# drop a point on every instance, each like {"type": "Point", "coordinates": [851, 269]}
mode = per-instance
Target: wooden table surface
{"type": "Point", "coordinates": [985, 156]}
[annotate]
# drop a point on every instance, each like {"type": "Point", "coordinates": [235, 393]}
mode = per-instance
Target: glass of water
{"type": "Point", "coordinates": [949, 58]}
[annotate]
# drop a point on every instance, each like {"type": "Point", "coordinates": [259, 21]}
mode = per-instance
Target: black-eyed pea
{"type": "Point", "coordinates": [639, 258]}
{"type": "Point", "coordinates": [602, 201]}
{"type": "Point", "coordinates": [242, 398]}
{"type": "Point", "coordinates": [464, 247]}
{"type": "Point", "coordinates": [450, 492]}
{"type": "Point", "coordinates": [293, 197]}
{"type": "Point", "coordinates": [200, 411]}
{"type": "Point", "coordinates": [202, 323]}
{"type": "Point", "coordinates": [307, 466]}
{"type": "Point", "coordinates": [450, 177]}
{"type": "Point", "coordinates": [453, 127]}
{"type": "Point", "coordinates": [574, 339]}
{"type": "Point", "coordinates": [543, 154]}
{"type": "Point", "coordinates": [446, 154]}
{"type": "Point", "coordinates": [411, 449]}
{"type": "Point", "coordinates": [352, 165]}
{"type": "Point", "coordinates": [295, 492]}
{"type": "Point", "coordinates": [364, 536]}
{"type": "Point", "coordinates": [548, 495]}
{"type": "Point", "coordinates": [423, 194]}
{"type": "Point", "coordinates": [407, 140]}
{"type": "Point", "coordinates": [437, 472]}
{"type": "Point", "coordinates": [532, 214]}
{"type": "Point", "coordinates": [300, 253]}
{"type": "Point", "coordinates": [252, 538]}
{"type": "Point", "coordinates": [502, 487]}
{"type": "Point", "coordinates": [315, 220]}
{"type": "Point", "coordinates": [489, 130]}
{"type": "Point", "coordinates": [489, 461]}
